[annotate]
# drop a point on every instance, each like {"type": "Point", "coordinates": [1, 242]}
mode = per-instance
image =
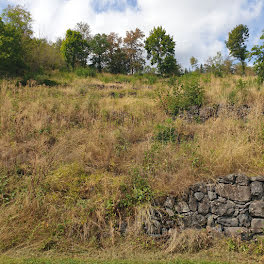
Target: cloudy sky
{"type": "Point", "coordinates": [199, 27]}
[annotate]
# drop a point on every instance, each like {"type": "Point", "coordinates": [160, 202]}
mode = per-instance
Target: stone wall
{"type": "Point", "coordinates": [232, 205]}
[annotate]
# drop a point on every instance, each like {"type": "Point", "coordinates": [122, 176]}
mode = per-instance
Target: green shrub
{"type": "Point", "coordinates": [165, 133]}
{"type": "Point", "coordinates": [184, 94]}
{"type": "Point", "coordinates": [85, 72]}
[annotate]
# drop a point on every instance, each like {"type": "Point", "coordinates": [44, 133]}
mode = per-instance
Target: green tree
{"type": "Point", "coordinates": [236, 44]}
{"type": "Point", "coordinates": [19, 18]}
{"type": "Point", "coordinates": [160, 49]}
{"type": "Point", "coordinates": [257, 53]}
{"type": "Point", "coordinates": [11, 50]}
{"type": "Point", "coordinates": [75, 49]}
{"type": "Point", "coordinates": [99, 47]}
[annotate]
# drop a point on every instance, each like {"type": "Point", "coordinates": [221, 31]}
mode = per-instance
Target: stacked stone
{"type": "Point", "coordinates": [233, 205]}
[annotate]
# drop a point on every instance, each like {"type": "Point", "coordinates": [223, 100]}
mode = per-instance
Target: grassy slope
{"type": "Point", "coordinates": [77, 158]}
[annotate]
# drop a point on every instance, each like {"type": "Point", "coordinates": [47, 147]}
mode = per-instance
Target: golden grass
{"type": "Point", "coordinates": [67, 153]}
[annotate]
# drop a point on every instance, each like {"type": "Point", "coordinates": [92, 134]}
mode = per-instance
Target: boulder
{"type": "Point", "coordinates": [182, 207]}
{"type": "Point", "coordinates": [257, 225]}
{"type": "Point", "coordinates": [199, 196]}
{"type": "Point", "coordinates": [256, 209]}
{"type": "Point", "coordinates": [242, 180]}
{"type": "Point", "coordinates": [223, 208]}
{"type": "Point", "coordinates": [235, 231]}
{"type": "Point", "coordinates": [230, 179]}
{"type": "Point", "coordinates": [229, 222]}
{"type": "Point", "coordinates": [204, 206]}
{"type": "Point", "coordinates": [212, 195]}
{"type": "Point", "coordinates": [234, 192]}
{"type": "Point", "coordinates": [257, 189]}
{"type": "Point", "coordinates": [244, 220]}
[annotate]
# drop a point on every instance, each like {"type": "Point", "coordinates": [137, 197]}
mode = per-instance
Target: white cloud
{"type": "Point", "coordinates": [198, 26]}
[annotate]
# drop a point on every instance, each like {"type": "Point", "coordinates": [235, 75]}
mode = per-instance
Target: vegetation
{"type": "Point", "coordinates": [86, 149]}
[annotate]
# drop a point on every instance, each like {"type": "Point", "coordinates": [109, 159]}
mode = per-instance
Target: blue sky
{"type": "Point", "coordinates": [199, 27]}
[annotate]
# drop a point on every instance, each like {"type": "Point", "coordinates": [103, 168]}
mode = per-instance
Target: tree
{"type": "Point", "coordinates": [194, 63]}
{"type": "Point", "coordinates": [75, 49]}
{"type": "Point", "coordinates": [236, 43]}
{"type": "Point", "coordinates": [160, 49]}
{"type": "Point", "coordinates": [85, 30]}
{"type": "Point", "coordinates": [19, 18]}
{"type": "Point", "coordinates": [257, 52]}
{"type": "Point", "coordinates": [117, 61]}
{"type": "Point", "coordinates": [99, 47]}
{"type": "Point", "coordinates": [134, 44]}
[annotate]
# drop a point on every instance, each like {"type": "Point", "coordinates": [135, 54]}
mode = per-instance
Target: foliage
{"type": "Point", "coordinates": [236, 43]}
{"type": "Point", "coordinates": [85, 72]}
{"type": "Point", "coordinates": [74, 49]}
{"type": "Point", "coordinates": [99, 47]}
{"type": "Point", "coordinates": [134, 50]}
{"type": "Point", "coordinates": [184, 94]}
{"type": "Point", "coordinates": [257, 52]}
{"type": "Point", "coordinates": [194, 63]}
{"type": "Point", "coordinates": [160, 49]}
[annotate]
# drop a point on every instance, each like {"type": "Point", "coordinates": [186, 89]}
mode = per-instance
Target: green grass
{"type": "Point", "coordinates": [72, 261]}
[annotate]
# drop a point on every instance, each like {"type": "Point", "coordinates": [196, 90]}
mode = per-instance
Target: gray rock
{"type": "Point", "coordinates": [244, 220]}
{"type": "Point", "coordinates": [199, 196]}
{"type": "Point", "coordinates": [229, 222]}
{"type": "Point", "coordinates": [257, 209]}
{"type": "Point", "coordinates": [193, 203]}
{"type": "Point", "coordinates": [211, 220]}
{"type": "Point", "coordinates": [242, 180]}
{"type": "Point", "coordinates": [199, 187]}
{"type": "Point", "coordinates": [235, 231]}
{"type": "Point", "coordinates": [258, 178]}
{"type": "Point", "coordinates": [223, 209]}
{"type": "Point", "coordinates": [169, 203]}
{"type": "Point", "coordinates": [234, 192]}
{"type": "Point", "coordinates": [211, 187]}
{"type": "Point", "coordinates": [212, 195]}
{"type": "Point", "coordinates": [204, 206]}
{"type": "Point", "coordinates": [182, 207]}
{"type": "Point", "coordinates": [257, 225]}
{"type": "Point", "coordinates": [199, 221]}
{"type": "Point", "coordinates": [230, 179]}
{"type": "Point", "coordinates": [169, 212]}
{"type": "Point", "coordinates": [257, 189]}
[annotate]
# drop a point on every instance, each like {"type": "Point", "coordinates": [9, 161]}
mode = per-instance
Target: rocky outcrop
{"type": "Point", "coordinates": [233, 205]}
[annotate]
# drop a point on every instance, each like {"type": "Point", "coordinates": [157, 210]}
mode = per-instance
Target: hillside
{"type": "Point", "coordinates": [79, 156]}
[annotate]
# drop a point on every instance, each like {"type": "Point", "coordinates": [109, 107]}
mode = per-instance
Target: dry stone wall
{"type": "Point", "coordinates": [233, 205]}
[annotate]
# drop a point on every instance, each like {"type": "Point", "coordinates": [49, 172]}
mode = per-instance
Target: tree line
{"type": "Point", "coordinates": [21, 53]}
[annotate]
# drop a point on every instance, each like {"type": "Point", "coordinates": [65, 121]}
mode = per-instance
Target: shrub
{"type": "Point", "coordinates": [184, 94]}
{"type": "Point", "coordinates": [85, 72]}
{"type": "Point", "coordinates": [165, 133]}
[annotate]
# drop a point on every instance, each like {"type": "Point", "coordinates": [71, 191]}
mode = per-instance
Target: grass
{"type": "Point", "coordinates": [79, 159]}
{"type": "Point", "coordinates": [71, 261]}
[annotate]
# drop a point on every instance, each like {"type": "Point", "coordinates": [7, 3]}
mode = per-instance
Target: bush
{"type": "Point", "coordinates": [183, 94]}
{"type": "Point", "coordinates": [85, 72]}
{"type": "Point", "coordinates": [165, 133]}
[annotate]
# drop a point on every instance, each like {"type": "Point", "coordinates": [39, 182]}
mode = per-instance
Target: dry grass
{"type": "Point", "coordinates": [68, 154]}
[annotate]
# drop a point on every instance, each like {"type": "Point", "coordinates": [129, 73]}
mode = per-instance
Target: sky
{"type": "Point", "coordinates": [199, 27]}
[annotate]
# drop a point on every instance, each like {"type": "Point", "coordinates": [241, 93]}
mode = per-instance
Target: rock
{"type": "Point", "coordinates": [169, 203]}
{"type": "Point", "coordinates": [211, 187]}
{"type": "Point", "coordinates": [242, 180]}
{"type": "Point", "coordinates": [223, 209]}
{"type": "Point", "coordinates": [199, 221]}
{"type": "Point", "coordinates": [170, 212]}
{"type": "Point", "coordinates": [193, 203]}
{"type": "Point", "coordinates": [257, 209]}
{"type": "Point", "coordinates": [257, 189]}
{"type": "Point", "coordinates": [211, 220]}
{"type": "Point", "coordinates": [199, 196]}
{"type": "Point", "coordinates": [153, 228]}
{"type": "Point", "coordinates": [230, 179]}
{"type": "Point", "coordinates": [229, 222]}
{"type": "Point", "coordinates": [258, 178]}
{"type": "Point", "coordinates": [204, 206]}
{"type": "Point", "coordinates": [207, 112]}
{"type": "Point", "coordinates": [182, 207]}
{"type": "Point", "coordinates": [234, 192]}
{"type": "Point", "coordinates": [199, 187]}
{"type": "Point", "coordinates": [244, 220]}
{"type": "Point", "coordinates": [212, 195]}
{"type": "Point", "coordinates": [257, 225]}
{"type": "Point", "coordinates": [235, 231]}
